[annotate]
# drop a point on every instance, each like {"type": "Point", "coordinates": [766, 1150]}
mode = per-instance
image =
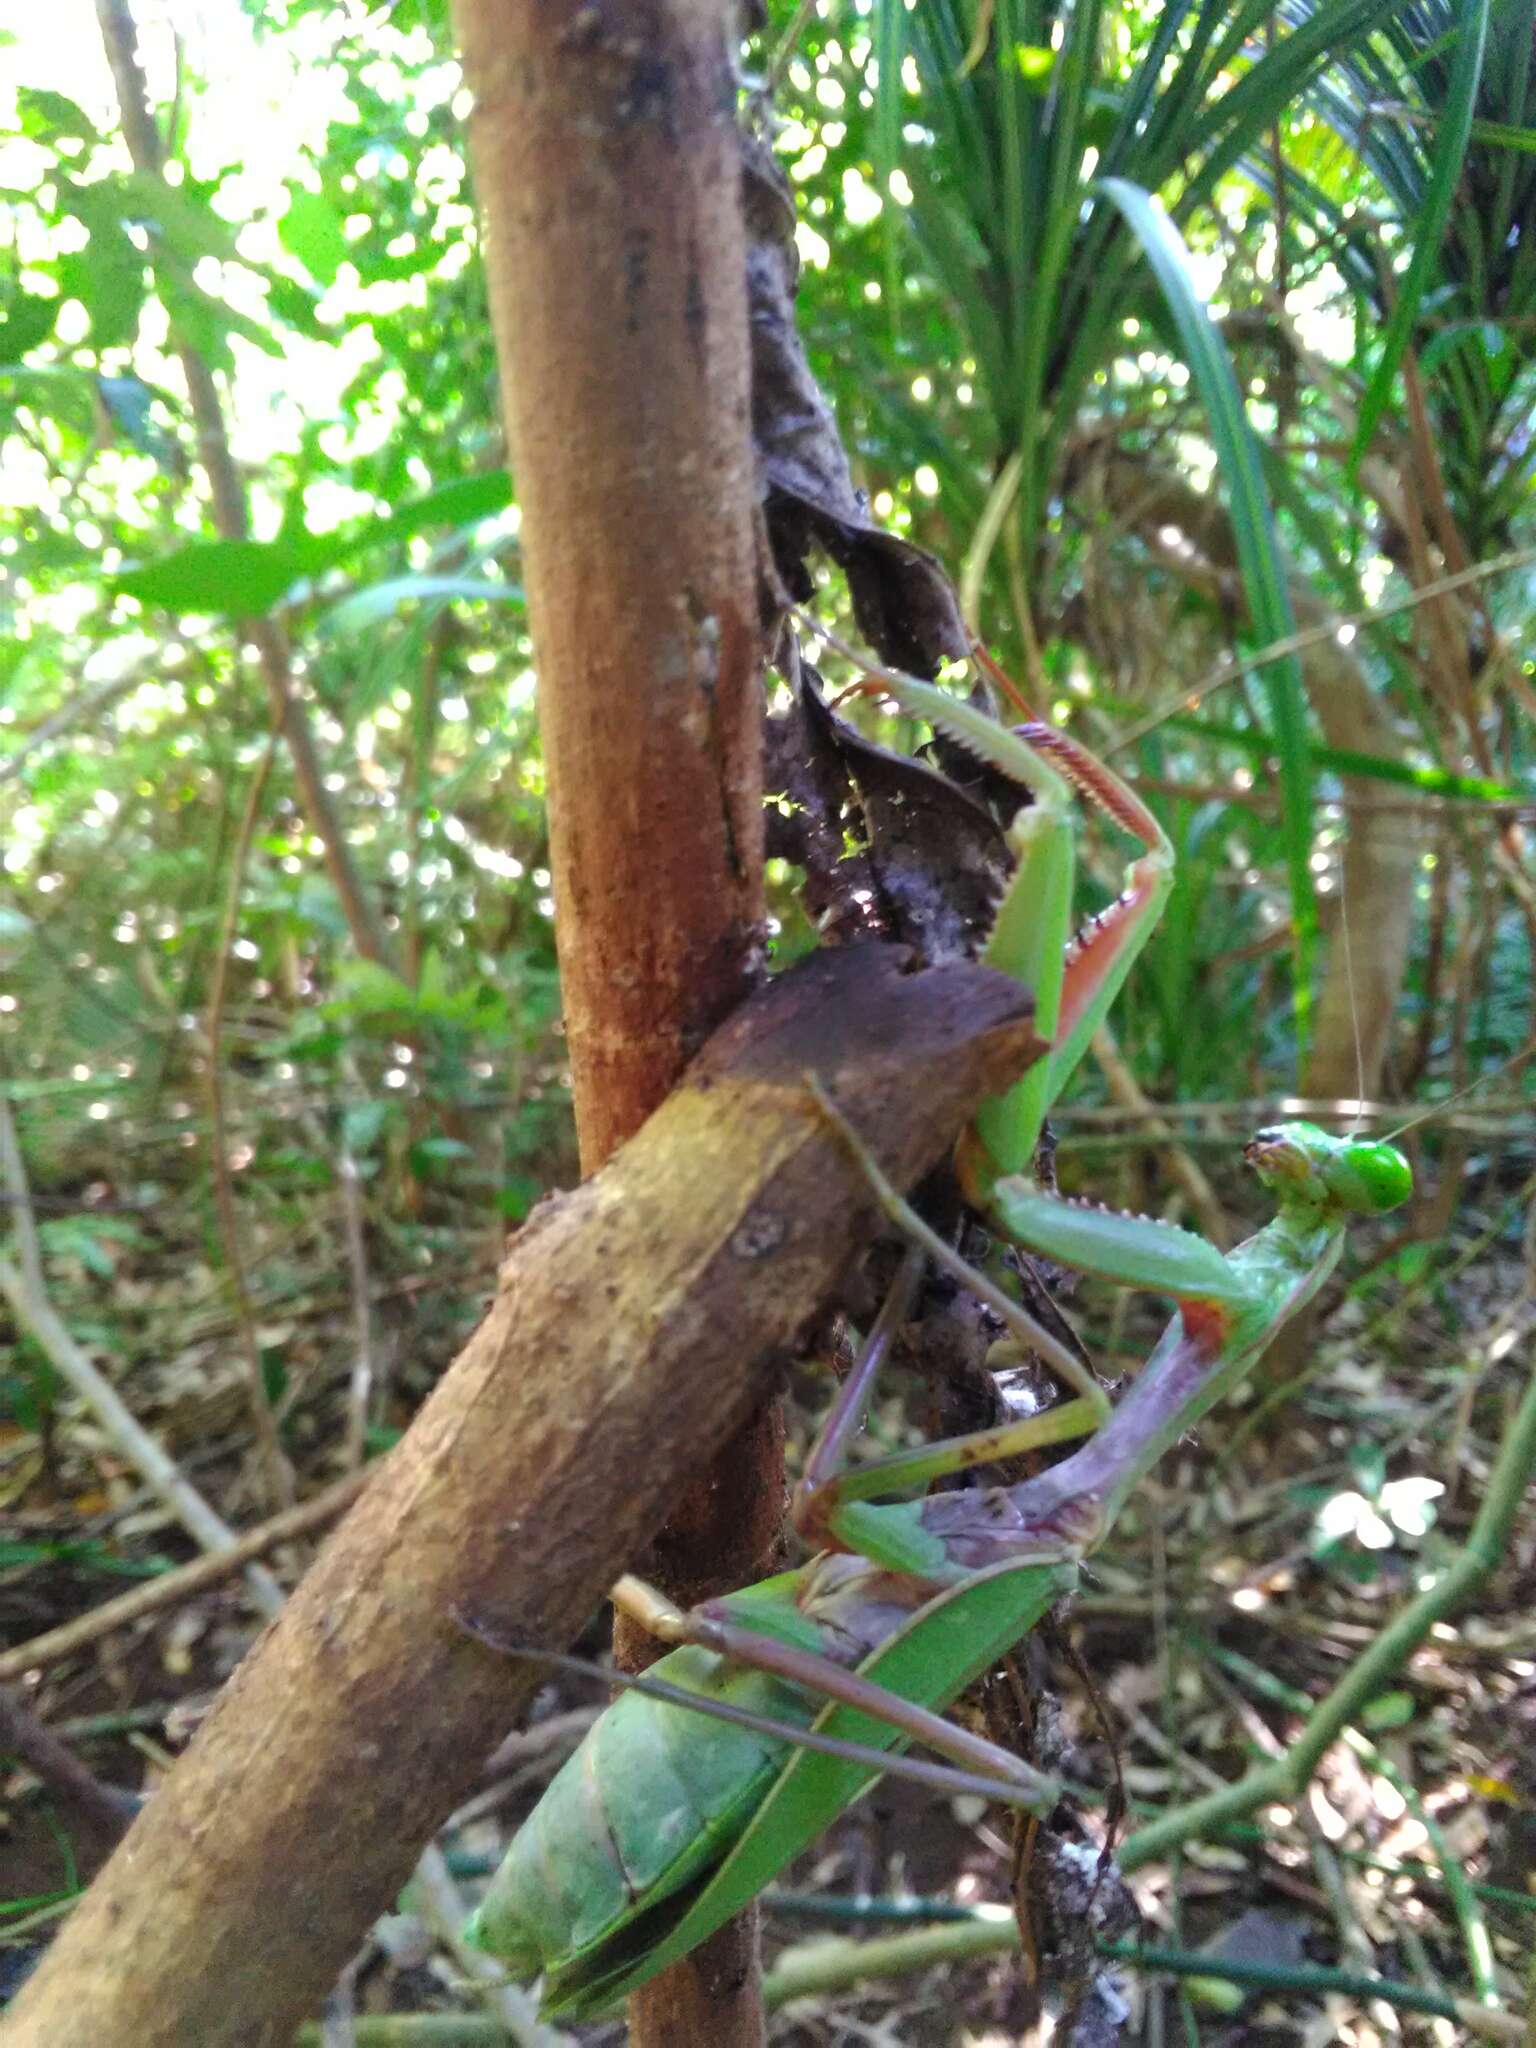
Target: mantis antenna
{"type": "Point", "coordinates": [1512, 1065]}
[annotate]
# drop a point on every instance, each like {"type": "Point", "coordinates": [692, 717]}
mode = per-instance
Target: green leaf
{"type": "Point", "coordinates": [428, 1156]}
{"type": "Point", "coordinates": [362, 1124]}
{"type": "Point", "coordinates": [241, 576]}
{"type": "Point", "coordinates": [1429, 227]}
{"type": "Point", "coordinates": [27, 323]}
{"type": "Point", "coordinates": [518, 1193]}
{"type": "Point", "coordinates": [1368, 1463]}
{"type": "Point", "coordinates": [1258, 551]}
{"type": "Point", "coordinates": [183, 221]}
{"type": "Point", "coordinates": [107, 277]}
{"type": "Point", "coordinates": [247, 576]}
{"type": "Point", "coordinates": [51, 117]}
{"type": "Point", "coordinates": [311, 230]}
{"type": "Point", "coordinates": [1389, 1710]}
{"type": "Point", "coordinates": [366, 607]}
{"type": "Point", "coordinates": [369, 990]}
{"type": "Point", "coordinates": [466, 499]}
{"type": "Point", "coordinates": [1034, 63]}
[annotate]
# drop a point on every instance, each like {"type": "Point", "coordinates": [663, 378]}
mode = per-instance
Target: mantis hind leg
{"type": "Point", "coordinates": [713, 1627]}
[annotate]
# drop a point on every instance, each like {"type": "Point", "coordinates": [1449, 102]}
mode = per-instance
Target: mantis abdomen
{"type": "Point", "coordinates": [654, 1798]}
{"type": "Point", "coordinates": [649, 1803]}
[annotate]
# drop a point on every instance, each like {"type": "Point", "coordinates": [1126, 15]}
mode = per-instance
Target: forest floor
{"type": "Point", "coordinates": [1260, 1562]}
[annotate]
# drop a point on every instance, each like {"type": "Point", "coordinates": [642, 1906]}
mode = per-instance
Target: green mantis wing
{"type": "Point", "coordinates": [931, 1660]}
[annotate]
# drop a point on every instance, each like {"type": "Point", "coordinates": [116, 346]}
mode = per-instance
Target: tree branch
{"type": "Point", "coordinates": [637, 1320]}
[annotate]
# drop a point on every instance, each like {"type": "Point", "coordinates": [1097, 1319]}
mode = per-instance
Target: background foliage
{"type": "Point", "coordinates": [283, 1053]}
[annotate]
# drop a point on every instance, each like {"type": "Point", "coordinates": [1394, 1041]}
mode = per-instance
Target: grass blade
{"type": "Point", "coordinates": [1263, 573]}
{"type": "Point", "coordinates": [1429, 228]}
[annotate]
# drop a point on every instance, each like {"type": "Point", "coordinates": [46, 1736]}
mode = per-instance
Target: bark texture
{"type": "Point", "coordinates": [636, 1321]}
{"type": "Point", "coordinates": [608, 168]}
{"type": "Point", "coordinates": [608, 172]}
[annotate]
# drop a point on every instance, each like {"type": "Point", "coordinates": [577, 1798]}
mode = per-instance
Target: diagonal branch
{"type": "Point", "coordinates": [638, 1319]}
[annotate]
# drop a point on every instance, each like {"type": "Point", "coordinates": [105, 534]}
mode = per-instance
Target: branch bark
{"type": "Point", "coordinates": [637, 1320]}
{"type": "Point", "coordinates": [608, 170]}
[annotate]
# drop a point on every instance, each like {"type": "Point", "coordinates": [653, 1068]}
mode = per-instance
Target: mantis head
{"type": "Point", "coordinates": [1300, 1163]}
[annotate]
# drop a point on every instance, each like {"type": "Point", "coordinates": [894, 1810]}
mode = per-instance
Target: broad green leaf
{"type": "Point", "coordinates": [312, 231]}
{"type": "Point", "coordinates": [107, 277]}
{"type": "Point", "coordinates": [381, 600]}
{"type": "Point", "coordinates": [245, 577]}
{"type": "Point", "coordinates": [185, 222]}
{"type": "Point", "coordinates": [452, 504]}
{"type": "Point", "coordinates": [51, 116]}
{"type": "Point", "coordinates": [27, 322]}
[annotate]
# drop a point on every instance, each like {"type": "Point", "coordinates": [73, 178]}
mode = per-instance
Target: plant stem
{"type": "Point", "coordinates": [1286, 1775]}
{"type": "Point", "coordinates": [829, 1966]}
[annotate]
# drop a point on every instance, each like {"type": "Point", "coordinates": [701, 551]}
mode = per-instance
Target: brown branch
{"type": "Point", "coordinates": [23, 1736]}
{"type": "Point", "coordinates": [637, 1320]}
{"type": "Point", "coordinates": [231, 516]}
{"type": "Point", "coordinates": [617, 276]}
{"type": "Point", "coordinates": [276, 1472]}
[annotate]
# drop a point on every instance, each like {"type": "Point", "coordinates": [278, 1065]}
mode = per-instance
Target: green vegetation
{"type": "Point", "coordinates": [1198, 346]}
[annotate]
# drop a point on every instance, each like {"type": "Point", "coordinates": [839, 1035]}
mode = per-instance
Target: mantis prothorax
{"type": "Point", "coordinates": [661, 1825]}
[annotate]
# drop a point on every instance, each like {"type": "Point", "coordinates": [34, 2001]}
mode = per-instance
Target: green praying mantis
{"type": "Point", "coordinates": [664, 1823]}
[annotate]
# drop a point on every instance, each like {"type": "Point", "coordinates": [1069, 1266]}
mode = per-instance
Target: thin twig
{"type": "Point", "coordinates": [188, 1579]}
{"type": "Point", "coordinates": [26, 1292]}
{"type": "Point", "coordinates": [23, 1735]}
{"type": "Point", "coordinates": [828, 1966]}
{"type": "Point", "coordinates": [1295, 643]}
{"type": "Point", "coordinates": [414, 2030]}
{"type": "Point", "coordinates": [277, 1473]}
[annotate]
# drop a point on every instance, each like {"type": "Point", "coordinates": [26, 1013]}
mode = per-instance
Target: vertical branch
{"type": "Point", "coordinates": [607, 165]}
{"type": "Point", "coordinates": [230, 515]}
{"type": "Point", "coordinates": [277, 1473]}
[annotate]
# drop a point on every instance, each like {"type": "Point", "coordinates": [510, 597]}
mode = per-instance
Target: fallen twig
{"type": "Point", "coordinates": [188, 1579]}
{"type": "Point", "coordinates": [22, 1735]}
{"type": "Point", "coordinates": [26, 1291]}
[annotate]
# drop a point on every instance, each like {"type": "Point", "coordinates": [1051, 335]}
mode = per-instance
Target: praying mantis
{"type": "Point", "coordinates": [662, 1824]}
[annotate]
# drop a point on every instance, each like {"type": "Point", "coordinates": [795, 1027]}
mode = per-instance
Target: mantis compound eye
{"type": "Point", "coordinates": [1369, 1176]}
